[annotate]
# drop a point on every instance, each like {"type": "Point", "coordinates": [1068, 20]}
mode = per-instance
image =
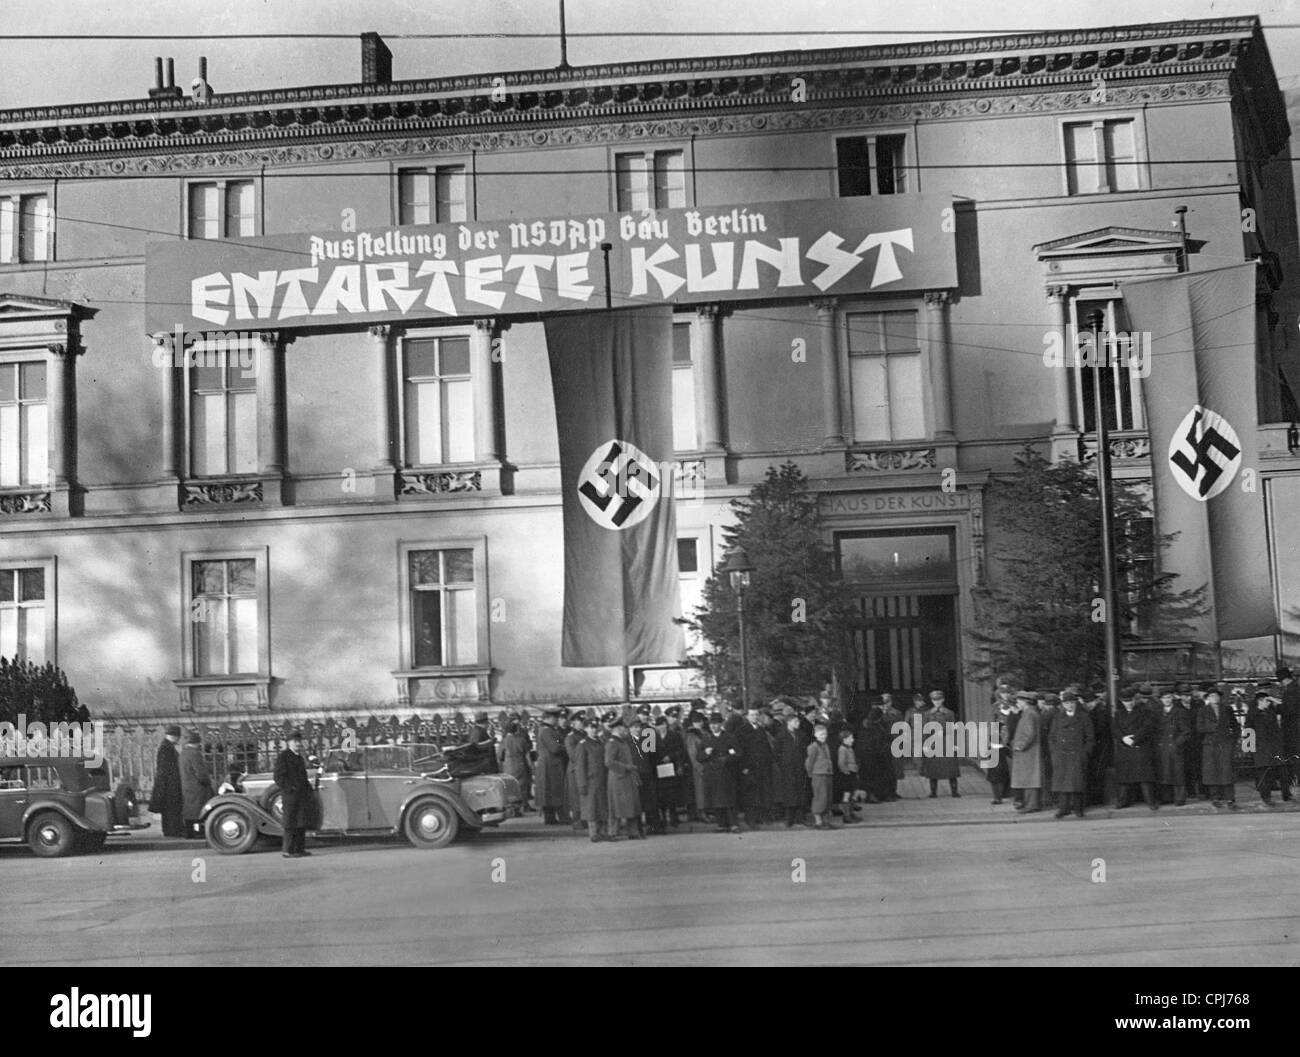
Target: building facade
{"type": "Point", "coordinates": [348, 515]}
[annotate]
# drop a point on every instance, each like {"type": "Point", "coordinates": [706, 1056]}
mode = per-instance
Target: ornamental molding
{"type": "Point", "coordinates": [148, 156]}
{"type": "Point", "coordinates": [24, 502]}
{"type": "Point", "coordinates": [1122, 449]}
{"type": "Point", "coordinates": [221, 492]}
{"type": "Point", "coordinates": [891, 459]}
{"type": "Point", "coordinates": [441, 482]}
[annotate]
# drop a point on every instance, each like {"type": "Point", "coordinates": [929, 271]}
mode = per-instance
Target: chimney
{"type": "Point", "coordinates": [376, 60]}
{"type": "Point", "coordinates": [161, 90]}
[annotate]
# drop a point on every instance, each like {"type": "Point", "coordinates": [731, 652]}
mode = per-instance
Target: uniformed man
{"type": "Point", "coordinates": [548, 778]}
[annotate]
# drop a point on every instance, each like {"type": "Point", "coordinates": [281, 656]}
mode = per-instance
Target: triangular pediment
{"type": "Point", "coordinates": [1109, 241]}
{"type": "Point", "coordinates": [21, 306]}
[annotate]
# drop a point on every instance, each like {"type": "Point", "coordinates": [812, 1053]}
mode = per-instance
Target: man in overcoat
{"type": "Point", "coordinates": [196, 784]}
{"type": "Point", "coordinates": [548, 778]}
{"type": "Point", "coordinates": [1027, 759]}
{"type": "Point", "coordinates": [644, 743]}
{"type": "Point", "coordinates": [1133, 734]}
{"type": "Point", "coordinates": [790, 783]}
{"type": "Point", "coordinates": [685, 795]}
{"type": "Point", "coordinates": [577, 732]}
{"type": "Point", "coordinates": [720, 756]}
{"type": "Point", "coordinates": [695, 734]}
{"type": "Point", "coordinates": [624, 783]}
{"type": "Point", "coordinates": [999, 775]}
{"type": "Point", "coordinates": [480, 733]}
{"type": "Point", "coordinates": [588, 764]}
{"type": "Point", "coordinates": [1217, 725]}
{"type": "Point", "coordinates": [1071, 744]}
{"type": "Point", "coordinates": [755, 790]}
{"type": "Point", "coordinates": [1103, 752]}
{"type": "Point", "coordinates": [940, 766]}
{"type": "Point", "coordinates": [672, 750]}
{"type": "Point", "coordinates": [1173, 729]}
{"type": "Point", "coordinates": [1262, 718]}
{"type": "Point", "coordinates": [167, 798]}
{"type": "Point", "coordinates": [891, 715]}
{"type": "Point", "coordinates": [1289, 712]}
{"type": "Point", "coordinates": [1048, 706]}
{"type": "Point", "coordinates": [296, 796]}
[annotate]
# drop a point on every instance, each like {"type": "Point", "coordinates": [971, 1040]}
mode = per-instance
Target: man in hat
{"type": "Point", "coordinates": [1269, 763]}
{"type": "Point", "coordinates": [548, 779]}
{"type": "Point", "coordinates": [1048, 705]}
{"type": "Point", "coordinates": [1133, 734]}
{"type": "Point", "coordinates": [1173, 728]}
{"type": "Point", "coordinates": [999, 775]}
{"type": "Point", "coordinates": [481, 734]}
{"type": "Point", "coordinates": [196, 784]}
{"type": "Point", "coordinates": [719, 755]}
{"type": "Point", "coordinates": [1072, 741]}
{"type": "Point", "coordinates": [669, 787]}
{"type": "Point", "coordinates": [1289, 713]}
{"type": "Point", "coordinates": [755, 785]}
{"type": "Point", "coordinates": [1027, 757]}
{"type": "Point", "coordinates": [295, 794]}
{"type": "Point", "coordinates": [1191, 703]}
{"type": "Point", "coordinates": [1217, 725]}
{"type": "Point", "coordinates": [167, 797]}
{"type": "Point", "coordinates": [645, 752]}
{"type": "Point", "coordinates": [623, 783]}
{"type": "Point", "coordinates": [587, 763]}
{"type": "Point", "coordinates": [1099, 763]}
{"type": "Point", "coordinates": [685, 794]}
{"type": "Point", "coordinates": [695, 734]}
{"type": "Point", "coordinates": [572, 800]}
{"type": "Point", "coordinates": [939, 766]}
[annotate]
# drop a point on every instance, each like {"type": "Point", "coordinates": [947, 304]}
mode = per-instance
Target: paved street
{"type": "Point", "coordinates": [972, 885]}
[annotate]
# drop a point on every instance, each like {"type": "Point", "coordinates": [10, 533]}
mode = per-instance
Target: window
{"type": "Point", "coordinates": [1121, 390]}
{"type": "Point", "coordinates": [222, 209]}
{"type": "Point", "coordinates": [223, 408]}
{"type": "Point", "coordinates": [438, 403]}
{"type": "Point", "coordinates": [650, 180]}
{"type": "Point", "coordinates": [691, 580]}
{"type": "Point", "coordinates": [1101, 156]}
{"type": "Point", "coordinates": [885, 376]}
{"type": "Point", "coordinates": [23, 623]}
{"type": "Point", "coordinates": [25, 228]}
{"type": "Point", "coordinates": [431, 196]}
{"type": "Point", "coordinates": [443, 607]}
{"type": "Point", "coordinates": [224, 614]}
{"type": "Point", "coordinates": [684, 432]}
{"type": "Point", "coordinates": [24, 435]}
{"type": "Point", "coordinates": [868, 165]}
{"type": "Point", "coordinates": [1136, 549]}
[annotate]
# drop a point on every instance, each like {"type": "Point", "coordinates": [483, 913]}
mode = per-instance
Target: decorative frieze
{"type": "Point", "coordinates": [689, 470]}
{"type": "Point", "coordinates": [219, 493]}
{"type": "Point", "coordinates": [442, 481]}
{"type": "Point", "coordinates": [1121, 448]}
{"type": "Point", "coordinates": [24, 502]}
{"type": "Point", "coordinates": [891, 459]}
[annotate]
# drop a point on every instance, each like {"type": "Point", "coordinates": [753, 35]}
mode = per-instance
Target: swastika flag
{"type": "Point", "coordinates": [611, 373]}
{"type": "Point", "coordinates": [1202, 415]}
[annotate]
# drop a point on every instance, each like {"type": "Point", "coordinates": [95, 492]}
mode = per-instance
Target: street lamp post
{"type": "Point", "coordinates": [738, 567]}
{"type": "Point", "coordinates": [1111, 626]}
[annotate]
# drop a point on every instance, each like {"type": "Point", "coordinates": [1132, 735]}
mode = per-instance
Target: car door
{"type": "Point", "coordinates": [13, 801]}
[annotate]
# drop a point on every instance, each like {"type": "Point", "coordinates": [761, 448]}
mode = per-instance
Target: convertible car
{"type": "Point", "coordinates": [412, 790]}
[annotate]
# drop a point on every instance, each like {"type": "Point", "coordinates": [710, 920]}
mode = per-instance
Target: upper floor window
{"type": "Point", "coordinates": [224, 613]}
{"type": "Point", "coordinates": [867, 165]}
{"type": "Point", "coordinates": [690, 576]}
{"type": "Point", "coordinates": [23, 623]}
{"type": "Point", "coordinates": [222, 391]}
{"type": "Point", "coordinates": [444, 610]}
{"type": "Point", "coordinates": [25, 228]}
{"type": "Point", "coordinates": [431, 196]}
{"type": "Point", "coordinates": [885, 376]}
{"type": "Point", "coordinates": [1121, 389]}
{"type": "Point", "coordinates": [222, 209]}
{"type": "Point", "coordinates": [653, 179]}
{"type": "Point", "coordinates": [24, 432]}
{"type": "Point", "coordinates": [685, 436]}
{"type": "Point", "coordinates": [438, 401]}
{"type": "Point", "coordinates": [1101, 155]}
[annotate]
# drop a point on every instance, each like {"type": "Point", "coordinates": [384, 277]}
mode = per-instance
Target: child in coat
{"type": "Point", "coordinates": [820, 771]}
{"type": "Point", "coordinates": [846, 781]}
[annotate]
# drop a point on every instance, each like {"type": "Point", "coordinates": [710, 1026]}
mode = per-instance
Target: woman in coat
{"type": "Point", "coordinates": [1027, 760]}
{"type": "Point", "coordinates": [593, 785]}
{"type": "Point", "coordinates": [1173, 729]}
{"type": "Point", "coordinates": [1217, 726]}
{"type": "Point", "coordinates": [196, 784]}
{"type": "Point", "coordinates": [1133, 734]}
{"type": "Point", "coordinates": [939, 766]}
{"type": "Point", "coordinates": [512, 754]}
{"type": "Point", "coordinates": [720, 754]}
{"type": "Point", "coordinates": [624, 784]}
{"type": "Point", "coordinates": [1071, 741]}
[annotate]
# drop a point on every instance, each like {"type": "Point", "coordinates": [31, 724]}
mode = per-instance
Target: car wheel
{"type": "Point", "coordinates": [273, 802]}
{"type": "Point", "coordinates": [230, 831]}
{"type": "Point", "coordinates": [50, 835]}
{"type": "Point", "coordinates": [124, 804]}
{"type": "Point", "coordinates": [431, 824]}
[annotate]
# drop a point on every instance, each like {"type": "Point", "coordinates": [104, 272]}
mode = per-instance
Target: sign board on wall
{"type": "Point", "coordinates": [797, 249]}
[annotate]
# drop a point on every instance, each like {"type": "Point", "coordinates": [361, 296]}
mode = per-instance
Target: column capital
{"type": "Point", "coordinates": [710, 310]}
{"type": "Point", "coordinates": [266, 337]}
{"type": "Point", "coordinates": [487, 323]}
{"type": "Point", "coordinates": [61, 349]}
{"type": "Point", "coordinates": [825, 305]}
{"type": "Point", "coordinates": [1057, 293]}
{"type": "Point", "coordinates": [937, 299]}
{"type": "Point", "coordinates": [379, 330]}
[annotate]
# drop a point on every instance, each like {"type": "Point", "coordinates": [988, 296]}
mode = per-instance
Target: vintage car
{"type": "Point", "coordinates": [399, 789]}
{"type": "Point", "coordinates": [58, 805]}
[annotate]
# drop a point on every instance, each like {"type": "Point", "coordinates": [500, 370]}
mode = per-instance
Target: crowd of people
{"type": "Point", "coordinates": [622, 774]}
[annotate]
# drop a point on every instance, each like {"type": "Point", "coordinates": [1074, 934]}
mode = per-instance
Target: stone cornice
{"type": "Point", "coordinates": [910, 76]}
{"type": "Point", "coordinates": [228, 153]}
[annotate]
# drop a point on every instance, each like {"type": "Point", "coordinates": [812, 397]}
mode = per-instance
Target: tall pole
{"type": "Point", "coordinates": [1110, 627]}
{"type": "Point", "coordinates": [744, 659]}
{"type": "Point", "coordinates": [564, 40]}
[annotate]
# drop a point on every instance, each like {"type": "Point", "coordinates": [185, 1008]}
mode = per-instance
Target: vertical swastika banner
{"type": "Point", "coordinates": [612, 377]}
{"type": "Point", "coordinates": [1200, 400]}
